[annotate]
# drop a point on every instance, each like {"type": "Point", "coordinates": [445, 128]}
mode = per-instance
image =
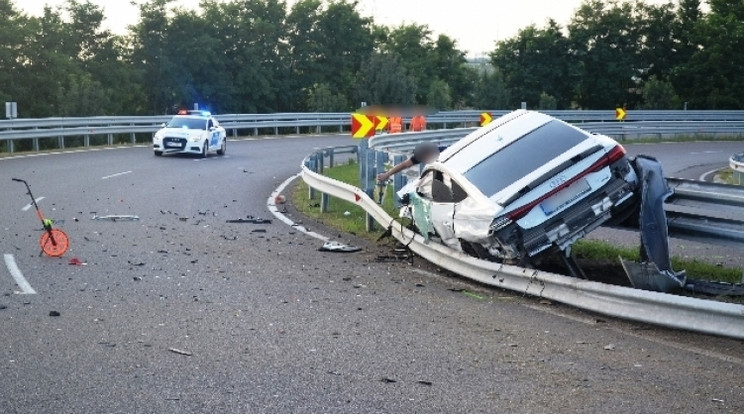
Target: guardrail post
{"type": "Point", "coordinates": [367, 176]}
{"type": "Point", "coordinates": [330, 153]}
{"type": "Point", "coordinates": [86, 141]}
{"type": "Point", "coordinates": [36, 144]}
{"type": "Point", "coordinates": [134, 139]}
{"type": "Point", "coordinates": [399, 180]}
{"type": "Point", "coordinates": [61, 142]}
{"type": "Point", "coordinates": [10, 146]}
{"type": "Point", "coordinates": [312, 166]}
{"type": "Point", "coordinates": [110, 139]}
{"type": "Point", "coordinates": [324, 200]}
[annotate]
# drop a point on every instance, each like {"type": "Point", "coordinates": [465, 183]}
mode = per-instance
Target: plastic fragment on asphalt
{"type": "Point", "coordinates": [114, 217]}
{"type": "Point", "coordinates": [250, 220]}
{"type": "Point", "coordinates": [76, 262]}
{"type": "Point", "coordinates": [334, 246]}
{"type": "Point", "coordinates": [180, 352]}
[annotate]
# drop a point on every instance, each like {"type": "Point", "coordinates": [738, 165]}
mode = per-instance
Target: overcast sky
{"type": "Point", "coordinates": [475, 24]}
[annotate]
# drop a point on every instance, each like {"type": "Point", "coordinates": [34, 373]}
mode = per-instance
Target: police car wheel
{"type": "Point", "coordinates": [158, 153]}
{"type": "Point", "coordinates": [223, 148]}
{"type": "Point", "coordinates": [204, 150]}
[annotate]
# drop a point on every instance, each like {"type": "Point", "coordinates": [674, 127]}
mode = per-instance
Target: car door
{"type": "Point", "coordinates": [443, 196]}
{"type": "Point", "coordinates": [214, 132]}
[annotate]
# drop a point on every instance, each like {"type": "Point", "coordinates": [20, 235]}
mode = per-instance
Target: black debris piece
{"type": "Point", "coordinates": [54, 313]}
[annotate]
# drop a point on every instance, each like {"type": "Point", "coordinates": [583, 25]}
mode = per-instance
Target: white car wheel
{"type": "Point", "coordinates": [223, 148]}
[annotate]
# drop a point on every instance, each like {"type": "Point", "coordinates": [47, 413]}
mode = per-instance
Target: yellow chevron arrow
{"type": "Point", "coordinates": [362, 126]}
{"type": "Point", "coordinates": [382, 122]}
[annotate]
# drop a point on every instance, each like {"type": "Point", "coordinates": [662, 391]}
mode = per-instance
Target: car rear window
{"type": "Point", "coordinates": [524, 155]}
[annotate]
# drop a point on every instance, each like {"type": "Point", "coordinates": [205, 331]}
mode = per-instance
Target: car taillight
{"type": "Point", "coordinates": [613, 155]}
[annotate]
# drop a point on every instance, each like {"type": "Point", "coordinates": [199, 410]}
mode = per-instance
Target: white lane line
{"type": "Point", "coordinates": [704, 177]}
{"type": "Point", "coordinates": [26, 289]}
{"type": "Point", "coordinates": [271, 205]}
{"type": "Point", "coordinates": [116, 175]}
{"type": "Point", "coordinates": [28, 206]}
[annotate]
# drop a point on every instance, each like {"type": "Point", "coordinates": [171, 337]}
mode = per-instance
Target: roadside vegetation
{"type": "Point", "coordinates": [598, 252]}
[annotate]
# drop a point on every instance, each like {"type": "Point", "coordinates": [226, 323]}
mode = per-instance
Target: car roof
{"type": "Point", "coordinates": [511, 126]}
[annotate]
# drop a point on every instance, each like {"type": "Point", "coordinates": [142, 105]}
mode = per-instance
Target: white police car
{"type": "Point", "coordinates": [191, 132]}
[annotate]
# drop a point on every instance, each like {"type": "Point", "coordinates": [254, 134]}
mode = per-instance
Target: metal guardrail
{"type": "Point", "coordinates": [638, 124]}
{"type": "Point", "coordinates": [706, 210]}
{"type": "Point", "coordinates": [679, 312]}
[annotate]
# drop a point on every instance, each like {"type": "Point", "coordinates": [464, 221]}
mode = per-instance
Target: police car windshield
{"type": "Point", "coordinates": [187, 123]}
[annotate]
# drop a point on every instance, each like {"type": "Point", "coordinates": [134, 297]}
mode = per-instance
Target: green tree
{"type": "Point", "coordinates": [151, 57]}
{"type": "Point", "coordinates": [537, 61]}
{"type": "Point", "coordinates": [14, 30]}
{"type": "Point", "coordinates": [659, 94]}
{"type": "Point", "coordinates": [712, 78]}
{"type": "Point", "coordinates": [547, 102]}
{"type": "Point", "coordinates": [304, 40]}
{"type": "Point", "coordinates": [413, 46]}
{"type": "Point", "coordinates": [451, 68]}
{"type": "Point", "coordinates": [439, 95]}
{"type": "Point", "coordinates": [345, 41]}
{"type": "Point", "coordinates": [604, 37]}
{"type": "Point", "coordinates": [383, 80]}
{"type": "Point", "coordinates": [323, 99]}
{"type": "Point", "coordinates": [490, 91]}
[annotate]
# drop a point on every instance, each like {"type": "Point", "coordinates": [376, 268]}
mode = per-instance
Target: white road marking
{"type": "Point", "coordinates": [116, 175]}
{"type": "Point", "coordinates": [270, 204]}
{"type": "Point", "coordinates": [28, 206]}
{"type": "Point", "coordinates": [705, 176]}
{"type": "Point", "coordinates": [26, 289]}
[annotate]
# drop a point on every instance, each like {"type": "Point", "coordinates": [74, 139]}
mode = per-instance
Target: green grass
{"type": "Point", "coordinates": [696, 269]}
{"type": "Point", "coordinates": [336, 216]}
{"type": "Point", "coordinates": [600, 251]}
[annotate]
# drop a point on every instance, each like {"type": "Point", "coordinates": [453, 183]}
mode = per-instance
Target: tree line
{"type": "Point", "coordinates": [260, 56]}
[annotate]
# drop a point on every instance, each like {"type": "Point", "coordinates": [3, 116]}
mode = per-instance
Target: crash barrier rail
{"type": "Point", "coordinates": [706, 210]}
{"type": "Point", "coordinates": [667, 123]}
{"type": "Point", "coordinates": [736, 162]}
{"type": "Point", "coordinates": [679, 312]}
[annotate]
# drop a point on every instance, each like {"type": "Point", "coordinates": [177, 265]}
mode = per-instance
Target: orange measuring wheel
{"type": "Point", "coordinates": [54, 242]}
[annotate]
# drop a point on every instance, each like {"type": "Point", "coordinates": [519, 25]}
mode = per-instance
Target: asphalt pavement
{"type": "Point", "coordinates": [180, 311]}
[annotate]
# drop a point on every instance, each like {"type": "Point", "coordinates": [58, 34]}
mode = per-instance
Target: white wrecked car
{"type": "Point", "coordinates": [524, 185]}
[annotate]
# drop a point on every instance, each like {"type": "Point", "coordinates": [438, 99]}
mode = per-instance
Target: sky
{"type": "Point", "coordinates": [476, 25]}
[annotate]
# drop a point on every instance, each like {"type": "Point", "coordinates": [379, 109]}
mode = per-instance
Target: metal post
{"type": "Point", "coordinates": [86, 141]}
{"type": "Point", "coordinates": [399, 180]}
{"type": "Point", "coordinates": [321, 161]}
{"type": "Point", "coordinates": [10, 146]}
{"type": "Point", "coordinates": [312, 167]}
{"type": "Point", "coordinates": [36, 144]}
{"type": "Point", "coordinates": [133, 138]}
{"type": "Point", "coordinates": [324, 200]}
{"type": "Point", "coordinates": [61, 142]}
{"type": "Point", "coordinates": [111, 140]}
